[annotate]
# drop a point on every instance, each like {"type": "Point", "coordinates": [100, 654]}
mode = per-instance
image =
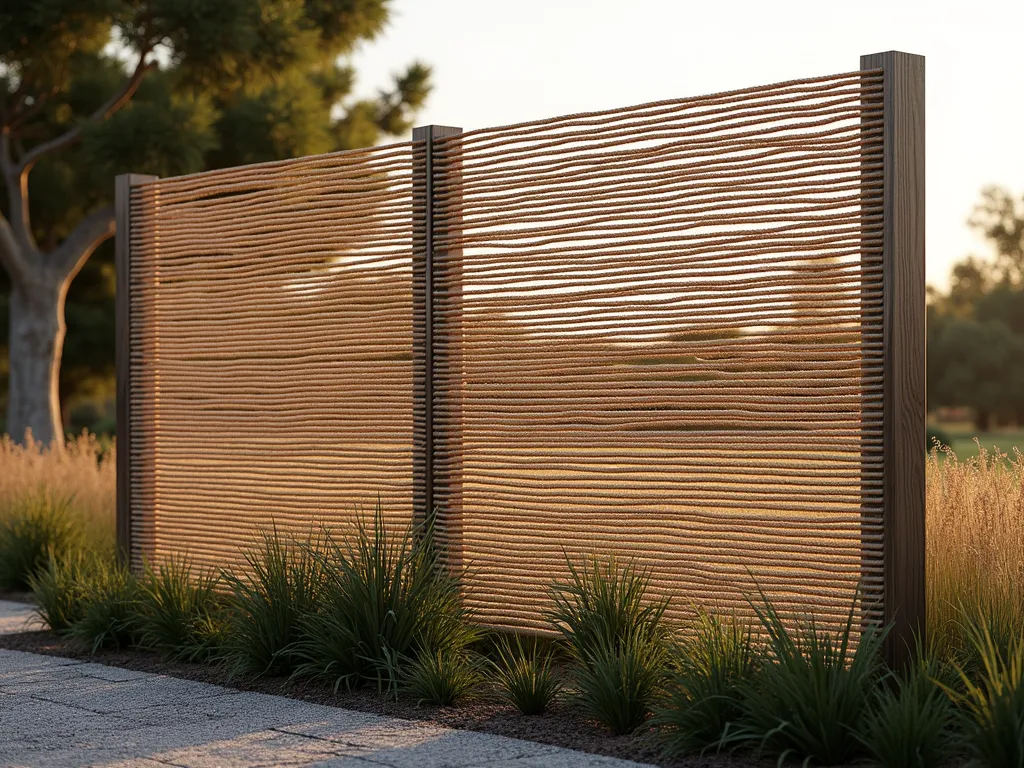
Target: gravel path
{"type": "Point", "coordinates": [64, 712]}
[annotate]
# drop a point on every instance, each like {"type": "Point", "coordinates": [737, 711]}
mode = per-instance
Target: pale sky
{"type": "Point", "coordinates": [499, 62]}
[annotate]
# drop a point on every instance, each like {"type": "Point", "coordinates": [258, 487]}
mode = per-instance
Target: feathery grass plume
{"type": "Point", "coordinates": [32, 528]}
{"type": "Point", "coordinates": [712, 666]}
{"type": "Point", "coordinates": [991, 697]}
{"type": "Point", "coordinates": [110, 611]}
{"type": "Point", "coordinates": [85, 471]}
{"type": "Point", "coordinates": [178, 611]}
{"type": "Point", "coordinates": [442, 677]}
{"type": "Point", "coordinates": [59, 589]}
{"type": "Point", "coordinates": [617, 638]}
{"type": "Point", "coordinates": [387, 599]}
{"type": "Point", "coordinates": [525, 677]}
{"type": "Point", "coordinates": [283, 584]}
{"type": "Point", "coordinates": [810, 698]}
{"type": "Point", "coordinates": [975, 539]}
{"type": "Point", "coordinates": [909, 722]}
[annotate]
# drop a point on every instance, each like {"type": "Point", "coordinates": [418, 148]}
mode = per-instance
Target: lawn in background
{"type": "Point", "coordinates": [962, 434]}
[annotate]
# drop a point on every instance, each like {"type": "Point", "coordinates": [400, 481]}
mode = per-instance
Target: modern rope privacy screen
{"type": "Point", "coordinates": [689, 334]}
{"type": "Point", "coordinates": [271, 351]}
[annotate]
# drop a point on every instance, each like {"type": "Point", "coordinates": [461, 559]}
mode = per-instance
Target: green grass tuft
{"type": "Point", "coordinates": [33, 528]}
{"type": "Point", "coordinates": [526, 677]}
{"type": "Point", "coordinates": [617, 638]}
{"type": "Point", "coordinates": [283, 587]}
{"type": "Point", "coordinates": [704, 695]}
{"type": "Point", "coordinates": [909, 722]}
{"type": "Point", "coordinates": [442, 677]}
{"type": "Point", "coordinates": [110, 609]}
{"type": "Point", "coordinates": [59, 589]}
{"type": "Point", "coordinates": [619, 684]}
{"type": "Point", "coordinates": [179, 614]}
{"type": "Point", "coordinates": [386, 600]}
{"type": "Point", "coordinates": [991, 697]}
{"type": "Point", "coordinates": [602, 604]}
{"type": "Point", "coordinates": [810, 699]}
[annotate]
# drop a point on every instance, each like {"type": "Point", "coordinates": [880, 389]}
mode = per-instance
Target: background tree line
{"type": "Point", "coordinates": [976, 328]}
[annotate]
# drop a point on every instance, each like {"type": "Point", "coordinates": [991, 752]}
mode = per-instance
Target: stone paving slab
{"type": "Point", "coordinates": [61, 712]}
{"type": "Point", "coordinates": [17, 617]}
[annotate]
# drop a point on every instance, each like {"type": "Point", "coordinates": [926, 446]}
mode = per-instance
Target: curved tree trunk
{"type": "Point", "coordinates": [35, 346]}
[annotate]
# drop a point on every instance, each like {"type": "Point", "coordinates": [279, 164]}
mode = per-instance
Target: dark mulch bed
{"type": "Point", "coordinates": [563, 726]}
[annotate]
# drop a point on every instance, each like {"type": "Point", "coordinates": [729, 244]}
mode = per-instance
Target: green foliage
{"type": "Point", "coordinates": [267, 607]}
{"type": "Point", "coordinates": [976, 328]}
{"type": "Point", "coordinates": [619, 682]}
{"type": "Point", "coordinates": [713, 666]}
{"type": "Point", "coordinates": [617, 638]}
{"type": "Point", "coordinates": [908, 723]}
{"type": "Point", "coordinates": [59, 590]}
{"type": "Point", "coordinates": [992, 697]}
{"type": "Point", "coordinates": [442, 677]}
{"type": "Point", "coordinates": [813, 692]}
{"type": "Point", "coordinates": [31, 530]}
{"type": "Point", "coordinates": [179, 614]}
{"type": "Point", "coordinates": [526, 677]}
{"type": "Point", "coordinates": [603, 604]}
{"type": "Point", "coordinates": [110, 611]}
{"type": "Point", "coordinates": [386, 600]}
{"type": "Point", "coordinates": [221, 83]}
{"type": "Point", "coordinates": [977, 364]}
{"type": "Point", "coordinates": [166, 130]}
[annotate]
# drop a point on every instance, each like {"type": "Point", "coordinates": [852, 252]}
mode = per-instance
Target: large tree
{"type": "Point", "coordinates": [92, 88]}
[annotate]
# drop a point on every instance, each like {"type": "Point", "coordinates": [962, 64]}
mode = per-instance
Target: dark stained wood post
{"type": "Point", "coordinates": [122, 259]}
{"type": "Point", "coordinates": [436, 279]}
{"type": "Point", "coordinates": [903, 339]}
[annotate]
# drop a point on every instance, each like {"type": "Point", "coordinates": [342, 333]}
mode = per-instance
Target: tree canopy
{"type": "Point", "coordinates": [93, 88]}
{"type": "Point", "coordinates": [976, 328]}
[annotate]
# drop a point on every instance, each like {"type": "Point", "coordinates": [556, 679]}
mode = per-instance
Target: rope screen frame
{"type": "Point", "coordinates": [902, 267]}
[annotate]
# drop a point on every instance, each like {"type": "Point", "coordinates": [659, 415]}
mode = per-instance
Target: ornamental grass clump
{"type": "Point", "coordinates": [525, 675]}
{"type": "Point", "coordinates": [387, 600]}
{"type": "Point", "coordinates": [178, 612]}
{"type": "Point", "coordinates": [283, 587]}
{"type": "Point", "coordinates": [712, 666]}
{"type": "Point", "coordinates": [617, 638]}
{"type": "Point", "coordinates": [991, 696]}
{"type": "Point", "coordinates": [109, 610]}
{"type": "Point", "coordinates": [33, 528]}
{"type": "Point", "coordinates": [84, 470]}
{"type": "Point", "coordinates": [59, 589]}
{"type": "Point", "coordinates": [975, 540]}
{"type": "Point", "coordinates": [811, 696]}
{"type": "Point", "coordinates": [442, 677]}
{"type": "Point", "coordinates": [910, 720]}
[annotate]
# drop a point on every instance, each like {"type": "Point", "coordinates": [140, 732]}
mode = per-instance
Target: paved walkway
{"type": "Point", "coordinates": [63, 712]}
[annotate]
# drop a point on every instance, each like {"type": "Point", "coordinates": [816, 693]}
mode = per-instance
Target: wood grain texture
{"type": "Point", "coordinates": [122, 257]}
{"type": "Point", "coordinates": [425, 289]}
{"type": "Point", "coordinates": [904, 346]}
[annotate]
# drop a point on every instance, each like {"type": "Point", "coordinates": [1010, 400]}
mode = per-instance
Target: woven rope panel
{"type": "Point", "coordinates": [271, 352]}
{"type": "Point", "coordinates": [661, 338]}
{"type": "Point", "coordinates": [657, 333]}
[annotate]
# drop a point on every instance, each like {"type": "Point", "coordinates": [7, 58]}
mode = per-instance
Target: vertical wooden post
{"type": "Point", "coordinates": [903, 339]}
{"type": "Point", "coordinates": [122, 311]}
{"type": "Point", "coordinates": [427, 184]}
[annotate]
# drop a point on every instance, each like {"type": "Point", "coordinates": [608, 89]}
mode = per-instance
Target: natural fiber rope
{"type": "Point", "coordinates": [657, 333]}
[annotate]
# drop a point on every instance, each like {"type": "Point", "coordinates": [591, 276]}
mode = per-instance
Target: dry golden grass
{"type": "Point", "coordinates": [83, 473]}
{"type": "Point", "coordinates": [975, 519]}
{"type": "Point", "coordinates": [975, 539]}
